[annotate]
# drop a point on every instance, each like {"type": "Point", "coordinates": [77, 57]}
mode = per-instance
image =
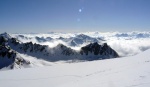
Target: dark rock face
{"type": "Point", "coordinates": [31, 47]}
{"type": "Point", "coordinates": [99, 50]}
{"type": "Point", "coordinates": [92, 51]}
{"type": "Point", "coordinates": [9, 47]}
{"type": "Point", "coordinates": [8, 56]}
{"type": "Point", "coordinates": [65, 50]}
{"type": "Point", "coordinates": [2, 40]}
{"type": "Point", "coordinates": [6, 51]}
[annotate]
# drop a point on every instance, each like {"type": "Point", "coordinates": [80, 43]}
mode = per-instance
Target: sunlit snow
{"type": "Point", "coordinates": [120, 72]}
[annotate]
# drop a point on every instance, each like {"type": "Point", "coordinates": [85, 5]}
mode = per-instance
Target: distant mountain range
{"type": "Point", "coordinates": [11, 48]}
{"type": "Point", "coordinates": [78, 40]}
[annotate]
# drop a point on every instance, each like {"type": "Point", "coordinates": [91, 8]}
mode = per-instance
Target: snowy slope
{"type": "Point", "coordinates": [31, 55]}
{"type": "Point", "coordinates": [10, 59]}
{"type": "Point", "coordinates": [120, 72]}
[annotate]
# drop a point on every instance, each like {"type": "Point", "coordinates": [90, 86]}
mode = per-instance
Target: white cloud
{"type": "Point", "coordinates": [125, 44]}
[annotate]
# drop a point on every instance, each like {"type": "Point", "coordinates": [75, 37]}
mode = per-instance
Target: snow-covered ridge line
{"type": "Point", "coordinates": [62, 52]}
{"type": "Point", "coordinates": [93, 51]}
{"type": "Point", "coordinates": [131, 71]}
{"type": "Point", "coordinates": [125, 43]}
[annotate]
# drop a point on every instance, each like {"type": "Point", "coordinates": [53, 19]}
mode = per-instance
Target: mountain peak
{"type": "Point", "coordinates": [5, 35]}
{"type": "Point", "coordinates": [104, 50]}
{"type": "Point", "coordinates": [82, 36]}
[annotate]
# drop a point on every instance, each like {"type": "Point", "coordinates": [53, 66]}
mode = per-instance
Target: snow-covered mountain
{"type": "Point", "coordinates": [134, 34]}
{"type": "Point", "coordinates": [124, 43]}
{"type": "Point", "coordinates": [93, 51]}
{"type": "Point", "coordinates": [10, 58]}
{"type": "Point", "coordinates": [81, 39]}
{"type": "Point", "coordinates": [36, 39]}
{"type": "Point", "coordinates": [131, 71]}
{"type": "Point", "coordinates": [128, 71]}
{"type": "Point", "coordinates": [62, 52]}
{"type": "Point", "coordinates": [75, 40]}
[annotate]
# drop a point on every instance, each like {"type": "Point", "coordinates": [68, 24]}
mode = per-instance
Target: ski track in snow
{"type": "Point", "coordinates": [44, 78]}
{"type": "Point", "coordinates": [131, 71]}
{"type": "Point", "coordinates": [137, 85]}
{"type": "Point", "coordinates": [76, 76]}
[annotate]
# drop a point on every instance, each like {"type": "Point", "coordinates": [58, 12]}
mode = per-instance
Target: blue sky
{"type": "Point", "coordinates": [41, 16]}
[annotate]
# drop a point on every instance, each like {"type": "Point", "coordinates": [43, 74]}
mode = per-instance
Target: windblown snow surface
{"type": "Point", "coordinates": [133, 71]}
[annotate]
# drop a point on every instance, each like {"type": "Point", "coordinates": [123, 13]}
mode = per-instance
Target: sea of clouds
{"type": "Point", "coordinates": [126, 44]}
